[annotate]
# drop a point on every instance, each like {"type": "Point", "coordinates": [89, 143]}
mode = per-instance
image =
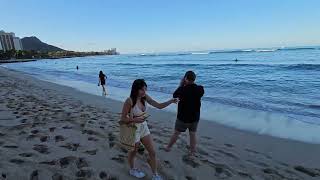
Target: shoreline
{"type": "Point", "coordinates": [16, 60]}
{"type": "Point", "coordinates": [222, 147]}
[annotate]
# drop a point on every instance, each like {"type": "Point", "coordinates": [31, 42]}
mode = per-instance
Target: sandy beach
{"type": "Point", "coordinates": [49, 131]}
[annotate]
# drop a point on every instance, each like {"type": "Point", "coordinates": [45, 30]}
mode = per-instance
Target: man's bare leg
{"type": "Point", "coordinates": [193, 142]}
{"type": "Point", "coordinates": [173, 140]}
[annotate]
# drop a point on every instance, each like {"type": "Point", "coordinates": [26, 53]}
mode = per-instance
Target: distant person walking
{"type": "Point", "coordinates": [102, 81]}
{"type": "Point", "coordinates": [188, 116]}
{"type": "Point", "coordinates": [77, 67]}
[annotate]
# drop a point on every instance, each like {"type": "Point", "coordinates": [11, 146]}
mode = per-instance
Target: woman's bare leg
{"type": "Point", "coordinates": [131, 156]}
{"type": "Point", "coordinates": [104, 90]}
{"type": "Point", "coordinates": [148, 144]}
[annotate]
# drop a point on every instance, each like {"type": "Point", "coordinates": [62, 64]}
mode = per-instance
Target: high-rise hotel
{"type": "Point", "coordinates": [9, 41]}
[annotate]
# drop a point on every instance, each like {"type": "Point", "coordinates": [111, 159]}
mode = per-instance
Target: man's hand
{"type": "Point", "coordinates": [175, 100]}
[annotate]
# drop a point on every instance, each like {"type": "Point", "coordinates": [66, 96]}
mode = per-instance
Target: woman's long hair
{"type": "Point", "coordinates": [136, 86]}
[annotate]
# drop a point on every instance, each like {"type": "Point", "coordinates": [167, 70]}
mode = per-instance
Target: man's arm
{"type": "Point", "coordinates": [201, 91]}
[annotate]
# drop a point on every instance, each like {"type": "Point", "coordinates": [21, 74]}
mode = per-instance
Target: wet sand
{"type": "Point", "coordinates": [48, 131]}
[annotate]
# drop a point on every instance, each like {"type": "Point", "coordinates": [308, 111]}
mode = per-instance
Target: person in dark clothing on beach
{"type": "Point", "coordinates": [102, 81]}
{"type": "Point", "coordinates": [188, 116]}
{"type": "Point", "coordinates": [77, 67]}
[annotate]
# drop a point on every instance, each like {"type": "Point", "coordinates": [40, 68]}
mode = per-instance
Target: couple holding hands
{"type": "Point", "coordinates": [134, 128]}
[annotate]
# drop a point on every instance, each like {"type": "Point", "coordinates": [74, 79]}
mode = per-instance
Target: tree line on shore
{"type": "Point", "coordinates": [23, 54]}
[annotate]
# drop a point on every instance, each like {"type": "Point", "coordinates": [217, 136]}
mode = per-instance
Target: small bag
{"type": "Point", "coordinates": [128, 134]}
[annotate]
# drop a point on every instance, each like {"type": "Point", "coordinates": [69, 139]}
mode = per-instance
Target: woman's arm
{"type": "Point", "coordinates": [160, 105]}
{"type": "Point", "coordinates": [125, 114]}
{"type": "Point", "coordinates": [99, 82]}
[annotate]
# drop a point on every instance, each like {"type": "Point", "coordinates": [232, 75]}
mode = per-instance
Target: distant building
{"type": "Point", "coordinates": [1, 46]}
{"type": "Point", "coordinates": [112, 51]}
{"type": "Point", "coordinates": [9, 41]}
{"type": "Point", "coordinates": [17, 43]}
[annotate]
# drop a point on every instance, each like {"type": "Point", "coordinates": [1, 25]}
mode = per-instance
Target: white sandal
{"type": "Point", "coordinates": [156, 177]}
{"type": "Point", "coordinates": [137, 173]}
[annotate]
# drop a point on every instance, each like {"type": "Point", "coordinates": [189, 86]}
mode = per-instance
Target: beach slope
{"type": "Point", "coordinates": [49, 131]}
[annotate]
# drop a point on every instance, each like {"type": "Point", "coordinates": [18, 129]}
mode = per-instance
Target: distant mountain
{"type": "Point", "coordinates": [33, 43]}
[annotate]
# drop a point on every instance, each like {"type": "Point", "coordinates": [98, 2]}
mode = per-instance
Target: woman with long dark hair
{"type": "Point", "coordinates": [136, 105]}
{"type": "Point", "coordinates": [102, 81]}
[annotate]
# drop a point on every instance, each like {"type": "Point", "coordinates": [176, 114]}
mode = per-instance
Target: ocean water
{"type": "Point", "coordinates": [267, 91]}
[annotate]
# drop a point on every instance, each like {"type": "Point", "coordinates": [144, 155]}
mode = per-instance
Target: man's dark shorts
{"type": "Point", "coordinates": [182, 126]}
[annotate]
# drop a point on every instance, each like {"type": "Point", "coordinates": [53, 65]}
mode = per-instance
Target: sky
{"type": "Point", "coordinates": [139, 26]}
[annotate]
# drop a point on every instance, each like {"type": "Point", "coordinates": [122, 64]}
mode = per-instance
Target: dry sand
{"type": "Point", "coordinates": [48, 131]}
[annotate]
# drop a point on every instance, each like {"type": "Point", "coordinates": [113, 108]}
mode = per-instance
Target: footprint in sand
{"type": "Point", "coordinates": [190, 178]}
{"type": "Point", "coordinates": [190, 161]}
{"type": "Point", "coordinates": [43, 149]}
{"type": "Point", "coordinates": [44, 138]}
{"type": "Point", "coordinates": [31, 136]}
{"type": "Point", "coordinates": [120, 159]}
{"type": "Point", "coordinates": [23, 120]}
{"type": "Point", "coordinates": [256, 152]}
{"type": "Point", "coordinates": [111, 138]}
{"type": "Point", "coordinates": [90, 132]}
{"type": "Point", "coordinates": [92, 139]}
{"type": "Point", "coordinates": [206, 137]}
{"type": "Point", "coordinates": [17, 161]}
{"type": "Point", "coordinates": [167, 164]}
{"type": "Point", "coordinates": [229, 145]}
{"type": "Point", "coordinates": [71, 146]}
{"type": "Point", "coordinates": [22, 132]}
{"type": "Point", "coordinates": [26, 154]}
{"type": "Point", "coordinates": [102, 123]}
{"type": "Point", "coordinates": [308, 171]}
{"type": "Point", "coordinates": [91, 152]}
{"type": "Point", "coordinates": [57, 176]}
{"type": "Point", "coordinates": [11, 146]}
{"type": "Point", "coordinates": [257, 163]}
{"type": "Point", "coordinates": [51, 163]}
{"type": "Point", "coordinates": [91, 122]}
{"type": "Point", "coordinates": [84, 173]}
{"type": "Point", "coordinates": [202, 152]}
{"type": "Point", "coordinates": [65, 161]}
{"type": "Point", "coordinates": [104, 176]}
{"type": "Point", "coordinates": [52, 129]}
{"type": "Point", "coordinates": [34, 175]}
{"type": "Point", "coordinates": [221, 170]}
{"type": "Point", "coordinates": [81, 162]}
{"type": "Point", "coordinates": [67, 127]}
{"type": "Point", "coordinates": [59, 138]}
{"type": "Point", "coordinates": [245, 175]}
{"type": "Point", "coordinates": [227, 154]}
